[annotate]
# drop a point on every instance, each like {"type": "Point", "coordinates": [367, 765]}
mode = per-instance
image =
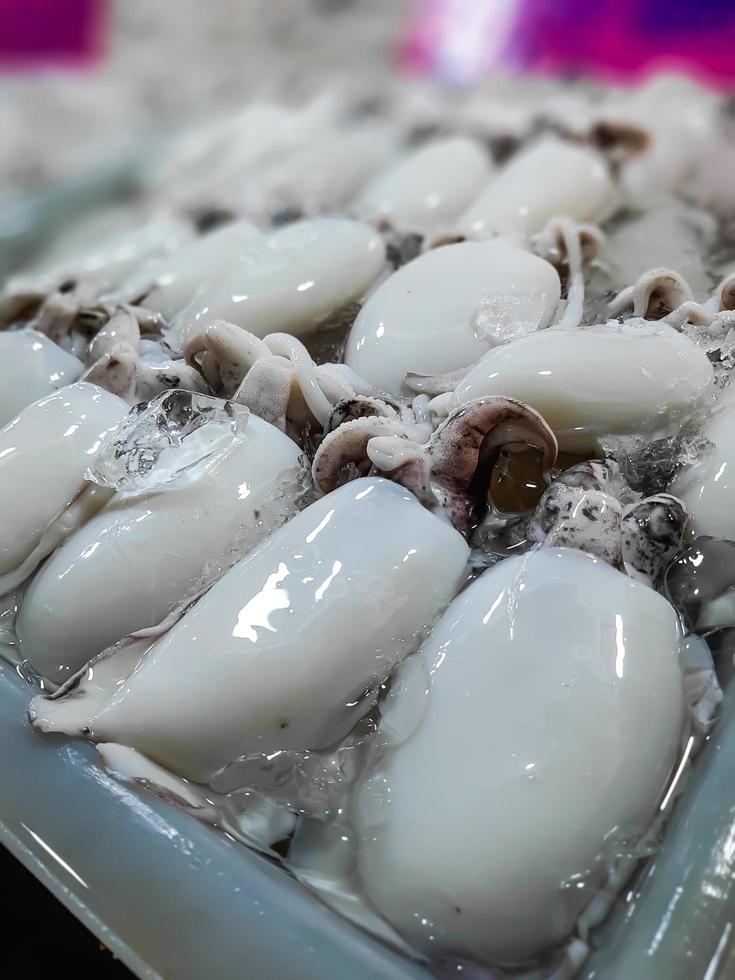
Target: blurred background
{"type": "Point", "coordinates": [90, 90]}
{"type": "Point", "coordinates": [84, 82]}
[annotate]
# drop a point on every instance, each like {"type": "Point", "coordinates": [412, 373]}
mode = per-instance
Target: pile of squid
{"type": "Point", "coordinates": [341, 506]}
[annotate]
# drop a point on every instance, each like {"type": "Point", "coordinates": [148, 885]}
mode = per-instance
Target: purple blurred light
{"type": "Point", "coordinates": [39, 33]}
{"type": "Point", "coordinates": [618, 39]}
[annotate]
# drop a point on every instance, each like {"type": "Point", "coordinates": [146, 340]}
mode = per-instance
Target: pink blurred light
{"type": "Point", "coordinates": [621, 40]}
{"type": "Point", "coordinates": [45, 33]}
{"type": "Point", "coordinates": [460, 40]}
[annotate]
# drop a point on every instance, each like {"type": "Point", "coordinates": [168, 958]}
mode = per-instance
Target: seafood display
{"type": "Point", "coordinates": [141, 555]}
{"type": "Point", "coordinates": [560, 641]}
{"type": "Point", "coordinates": [32, 366]}
{"type": "Point", "coordinates": [424, 318]}
{"type": "Point", "coordinates": [368, 484]}
{"type": "Point", "coordinates": [46, 450]}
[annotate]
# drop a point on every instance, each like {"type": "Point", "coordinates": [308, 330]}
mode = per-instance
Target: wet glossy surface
{"type": "Point", "coordinates": [135, 560]}
{"type": "Point", "coordinates": [685, 949]}
{"type": "Point", "coordinates": [292, 280]}
{"type": "Point", "coordinates": [678, 923]}
{"type": "Point", "coordinates": [428, 317]}
{"type": "Point", "coordinates": [31, 366]}
{"type": "Point", "coordinates": [92, 841]}
{"type": "Point", "coordinates": [428, 188]}
{"type": "Point", "coordinates": [44, 452]}
{"type": "Point", "coordinates": [700, 583]}
{"type": "Point", "coordinates": [107, 261]}
{"type": "Point", "coordinates": [261, 663]}
{"type": "Point", "coordinates": [602, 380]}
{"type": "Point", "coordinates": [170, 283]}
{"type": "Point", "coordinates": [708, 486]}
{"type": "Point", "coordinates": [550, 178]}
{"type": "Point", "coordinates": [536, 719]}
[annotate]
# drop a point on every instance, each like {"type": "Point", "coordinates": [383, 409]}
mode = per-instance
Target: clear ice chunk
{"type": "Point", "coordinates": [649, 466]}
{"type": "Point", "coordinates": [161, 440]}
{"type": "Point", "coordinates": [307, 782]}
{"type": "Point", "coordinates": [500, 319]}
{"type": "Point", "coordinates": [303, 781]}
{"type": "Point", "coordinates": [718, 343]}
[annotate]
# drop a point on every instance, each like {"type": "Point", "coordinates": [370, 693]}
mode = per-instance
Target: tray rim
{"type": "Point", "coordinates": [188, 868]}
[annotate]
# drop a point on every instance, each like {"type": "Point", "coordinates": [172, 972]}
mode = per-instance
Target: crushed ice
{"type": "Point", "coordinates": [677, 234]}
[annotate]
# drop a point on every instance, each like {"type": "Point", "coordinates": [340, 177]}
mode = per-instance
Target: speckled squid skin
{"type": "Point", "coordinates": [441, 472]}
{"type": "Point", "coordinates": [590, 507]}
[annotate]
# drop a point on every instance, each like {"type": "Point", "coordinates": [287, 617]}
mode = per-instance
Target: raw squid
{"type": "Point", "coordinates": [532, 738]}
{"type": "Point", "coordinates": [631, 378]}
{"type": "Point", "coordinates": [428, 188]}
{"type": "Point", "coordinates": [44, 454]}
{"type": "Point", "coordinates": [147, 551]}
{"type": "Point", "coordinates": [550, 178]}
{"type": "Point", "coordinates": [293, 279]}
{"type": "Point", "coordinates": [285, 649]}
{"type": "Point", "coordinates": [441, 311]}
{"type": "Point", "coordinates": [31, 366]}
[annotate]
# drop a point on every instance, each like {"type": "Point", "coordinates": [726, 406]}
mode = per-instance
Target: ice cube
{"type": "Point", "coordinates": [502, 318]}
{"type": "Point", "coordinates": [160, 440]}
